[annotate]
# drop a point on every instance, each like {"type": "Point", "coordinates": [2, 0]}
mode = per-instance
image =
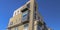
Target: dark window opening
{"type": "Point", "coordinates": [39, 26]}
{"type": "Point", "coordinates": [35, 8]}
{"type": "Point", "coordinates": [35, 15]}
{"type": "Point", "coordinates": [25, 9]}
{"type": "Point", "coordinates": [28, 5]}
{"type": "Point", "coordinates": [25, 15]}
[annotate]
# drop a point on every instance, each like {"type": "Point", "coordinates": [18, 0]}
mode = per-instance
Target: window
{"type": "Point", "coordinates": [38, 27]}
{"type": "Point", "coordinates": [35, 15]}
{"type": "Point", "coordinates": [16, 28]}
{"type": "Point", "coordinates": [25, 15]}
{"type": "Point", "coordinates": [38, 18]}
{"type": "Point", "coordinates": [25, 26]}
{"type": "Point", "coordinates": [28, 5]}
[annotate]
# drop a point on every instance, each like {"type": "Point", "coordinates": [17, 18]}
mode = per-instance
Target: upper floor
{"type": "Point", "coordinates": [21, 15]}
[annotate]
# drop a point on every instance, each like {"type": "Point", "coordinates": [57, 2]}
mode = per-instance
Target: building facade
{"type": "Point", "coordinates": [27, 17]}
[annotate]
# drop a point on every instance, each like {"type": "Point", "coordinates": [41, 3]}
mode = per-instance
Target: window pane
{"type": "Point", "coordinates": [16, 28]}
{"type": "Point", "coordinates": [25, 15]}
{"type": "Point", "coordinates": [26, 27]}
{"type": "Point", "coordinates": [28, 5]}
{"type": "Point", "coordinates": [39, 28]}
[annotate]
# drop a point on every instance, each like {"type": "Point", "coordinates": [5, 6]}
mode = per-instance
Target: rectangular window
{"type": "Point", "coordinates": [28, 5]}
{"type": "Point", "coordinates": [25, 15]}
{"type": "Point", "coordinates": [38, 27]}
{"type": "Point", "coordinates": [16, 28]}
{"type": "Point", "coordinates": [35, 15]}
{"type": "Point", "coordinates": [25, 26]}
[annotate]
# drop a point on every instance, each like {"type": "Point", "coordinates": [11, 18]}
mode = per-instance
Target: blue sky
{"type": "Point", "coordinates": [49, 9]}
